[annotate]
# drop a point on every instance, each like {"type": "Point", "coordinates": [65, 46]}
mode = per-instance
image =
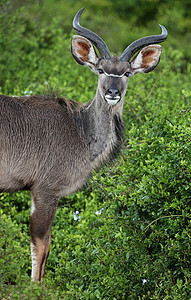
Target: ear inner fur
{"type": "Point", "coordinates": [147, 59]}
{"type": "Point", "coordinates": [83, 51]}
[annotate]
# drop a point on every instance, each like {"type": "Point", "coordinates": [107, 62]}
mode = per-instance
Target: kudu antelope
{"type": "Point", "coordinates": [50, 147]}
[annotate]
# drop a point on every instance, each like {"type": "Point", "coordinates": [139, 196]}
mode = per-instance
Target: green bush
{"type": "Point", "coordinates": [127, 234]}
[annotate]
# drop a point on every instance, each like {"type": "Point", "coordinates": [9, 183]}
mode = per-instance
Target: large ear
{"type": "Point", "coordinates": [146, 60]}
{"type": "Point", "coordinates": [83, 52]}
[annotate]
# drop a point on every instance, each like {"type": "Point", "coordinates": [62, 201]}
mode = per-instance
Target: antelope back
{"type": "Point", "coordinates": [39, 135]}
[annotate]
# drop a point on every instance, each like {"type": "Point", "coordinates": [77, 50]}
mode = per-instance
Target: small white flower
{"type": "Point", "coordinates": [99, 212]}
{"type": "Point", "coordinates": [144, 280]}
{"type": "Point", "coordinates": [77, 216]}
{"type": "Point", "coordinates": [28, 93]}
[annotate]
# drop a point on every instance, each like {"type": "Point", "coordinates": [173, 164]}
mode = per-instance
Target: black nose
{"type": "Point", "coordinates": [113, 92]}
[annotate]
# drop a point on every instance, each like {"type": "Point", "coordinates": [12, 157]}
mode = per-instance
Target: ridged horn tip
{"type": "Point", "coordinates": [76, 19]}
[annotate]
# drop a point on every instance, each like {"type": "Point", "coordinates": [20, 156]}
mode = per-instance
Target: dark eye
{"type": "Point", "coordinates": [100, 71]}
{"type": "Point", "coordinates": [127, 74]}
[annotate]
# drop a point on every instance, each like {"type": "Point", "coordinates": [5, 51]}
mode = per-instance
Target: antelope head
{"type": "Point", "coordinates": [113, 72]}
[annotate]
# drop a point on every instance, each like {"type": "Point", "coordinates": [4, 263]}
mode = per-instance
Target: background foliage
{"type": "Point", "coordinates": [127, 235]}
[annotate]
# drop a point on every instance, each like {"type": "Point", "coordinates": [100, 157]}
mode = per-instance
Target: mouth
{"type": "Point", "coordinates": [112, 100]}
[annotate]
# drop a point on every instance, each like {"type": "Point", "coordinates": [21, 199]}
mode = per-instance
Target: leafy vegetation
{"type": "Point", "coordinates": [127, 234]}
